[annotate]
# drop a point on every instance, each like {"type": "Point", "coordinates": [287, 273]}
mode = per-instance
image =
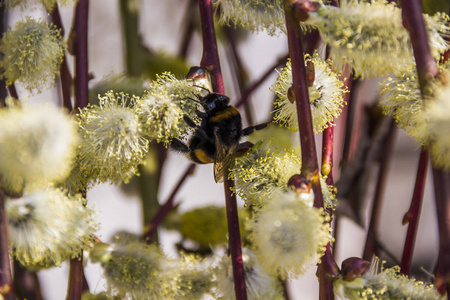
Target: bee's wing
{"type": "Point", "coordinates": [223, 158]}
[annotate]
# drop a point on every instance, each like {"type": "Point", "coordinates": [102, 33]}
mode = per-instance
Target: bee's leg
{"type": "Point", "coordinates": [243, 148]}
{"type": "Point", "coordinates": [179, 145]}
{"type": "Point", "coordinates": [189, 121]}
{"type": "Point", "coordinates": [201, 114]}
{"type": "Point", "coordinates": [249, 130]}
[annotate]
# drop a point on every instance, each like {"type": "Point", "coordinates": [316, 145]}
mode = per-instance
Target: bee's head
{"type": "Point", "coordinates": [214, 101]}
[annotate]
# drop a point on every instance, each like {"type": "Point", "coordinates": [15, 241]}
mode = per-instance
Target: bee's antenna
{"type": "Point", "coordinates": [201, 87]}
{"type": "Point", "coordinates": [193, 100]}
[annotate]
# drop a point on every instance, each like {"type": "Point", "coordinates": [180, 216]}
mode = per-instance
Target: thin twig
{"type": "Point", "coordinates": [65, 77]}
{"type": "Point", "coordinates": [442, 194]}
{"type": "Point", "coordinates": [240, 71]}
{"type": "Point", "coordinates": [81, 54]}
{"type": "Point", "coordinates": [6, 285]}
{"type": "Point", "coordinates": [26, 283]}
{"type": "Point", "coordinates": [12, 91]}
{"type": "Point", "coordinates": [371, 238]}
{"type": "Point", "coordinates": [426, 71]}
{"type": "Point", "coordinates": [244, 97]}
{"type": "Point", "coordinates": [413, 214]}
{"type": "Point", "coordinates": [152, 227]}
{"type": "Point", "coordinates": [210, 60]}
{"type": "Point", "coordinates": [310, 167]}
{"type": "Point", "coordinates": [350, 119]}
{"type": "Point", "coordinates": [189, 28]}
{"type": "Point", "coordinates": [80, 31]}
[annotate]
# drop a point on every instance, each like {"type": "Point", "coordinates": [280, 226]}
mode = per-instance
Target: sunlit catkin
{"type": "Point", "coordinates": [289, 235]}
{"type": "Point", "coordinates": [33, 51]}
{"type": "Point", "coordinates": [370, 36]}
{"type": "Point", "coordinates": [259, 284]}
{"type": "Point", "coordinates": [261, 173]}
{"type": "Point", "coordinates": [113, 143]}
{"type": "Point", "coordinates": [46, 227]}
{"type": "Point", "coordinates": [37, 146]}
{"type": "Point", "coordinates": [325, 96]}
{"type": "Point", "coordinates": [253, 15]}
{"type": "Point", "coordinates": [384, 285]}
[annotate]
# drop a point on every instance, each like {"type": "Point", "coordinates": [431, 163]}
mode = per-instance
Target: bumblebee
{"type": "Point", "coordinates": [217, 139]}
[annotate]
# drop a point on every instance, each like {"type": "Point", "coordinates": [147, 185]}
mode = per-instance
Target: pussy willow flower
{"type": "Point", "coordinates": [37, 146]}
{"type": "Point", "coordinates": [325, 96]}
{"type": "Point", "coordinates": [33, 51]}
{"type": "Point", "coordinates": [261, 173]}
{"type": "Point", "coordinates": [113, 141]}
{"type": "Point", "coordinates": [401, 98]}
{"type": "Point", "coordinates": [254, 15]}
{"type": "Point", "coordinates": [45, 227]}
{"type": "Point", "coordinates": [118, 82]}
{"type": "Point", "coordinates": [206, 225]}
{"type": "Point", "coordinates": [259, 284]}
{"type": "Point", "coordinates": [162, 109]}
{"type": "Point", "coordinates": [47, 4]}
{"type": "Point", "coordinates": [289, 235]}
{"type": "Point", "coordinates": [132, 269]}
{"type": "Point", "coordinates": [370, 36]}
{"type": "Point", "coordinates": [384, 285]}
{"type": "Point", "coordinates": [191, 278]}
{"type": "Point", "coordinates": [435, 126]}
{"type": "Point", "coordinates": [277, 137]}
{"type": "Point", "coordinates": [328, 193]}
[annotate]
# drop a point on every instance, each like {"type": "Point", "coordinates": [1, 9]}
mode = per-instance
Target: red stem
{"type": "Point", "coordinates": [80, 32]}
{"type": "Point", "coordinates": [350, 119]}
{"type": "Point", "coordinates": [327, 153]}
{"type": "Point", "coordinates": [413, 214]}
{"type": "Point", "coordinates": [210, 60]}
{"type": "Point", "coordinates": [310, 168]}
{"type": "Point", "coordinates": [66, 78]}
{"type": "Point", "coordinates": [165, 209]}
{"type": "Point", "coordinates": [442, 194]}
{"type": "Point", "coordinates": [26, 283]}
{"type": "Point", "coordinates": [371, 239]}
{"type": "Point", "coordinates": [6, 285]}
{"type": "Point", "coordinates": [12, 91]}
{"type": "Point", "coordinates": [414, 23]}
{"type": "Point", "coordinates": [426, 70]}
{"type": "Point", "coordinates": [240, 71]}
{"type": "Point", "coordinates": [189, 28]}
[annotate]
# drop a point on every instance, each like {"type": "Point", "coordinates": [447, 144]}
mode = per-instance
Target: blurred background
{"type": "Point", "coordinates": [162, 25]}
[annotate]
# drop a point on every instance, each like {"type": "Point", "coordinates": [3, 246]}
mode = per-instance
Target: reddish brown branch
{"type": "Point", "coordinates": [414, 23]}
{"type": "Point", "coordinates": [12, 91]}
{"type": "Point", "coordinates": [66, 78]}
{"type": "Point", "coordinates": [26, 283]}
{"type": "Point", "coordinates": [327, 153]}
{"type": "Point", "coordinates": [210, 58]}
{"type": "Point", "coordinates": [6, 284]}
{"type": "Point", "coordinates": [371, 239]}
{"type": "Point", "coordinates": [80, 32]}
{"type": "Point", "coordinates": [442, 194]}
{"type": "Point", "coordinates": [310, 167]}
{"type": "Point", "coordinates": [210, 61]}
{"type": "Point", "coordinates": [426, 70]}
{"type": "Point", "coordinates": [244, 97]}
{"type": "Point", "coordinates": [413, 214]}
{"type": "Point", "coordinates": [165, 209]}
